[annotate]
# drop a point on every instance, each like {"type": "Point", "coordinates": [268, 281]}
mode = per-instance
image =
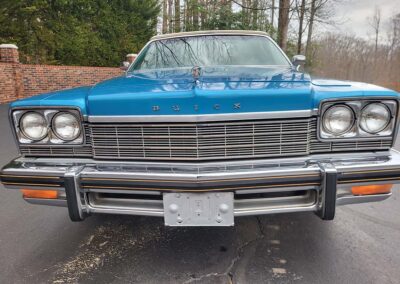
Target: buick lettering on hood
{"type": "Point", "coordinates": [203, 128]}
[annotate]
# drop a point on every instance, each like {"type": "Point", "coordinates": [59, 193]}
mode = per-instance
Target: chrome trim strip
{"type": "Point", "coordinates": [344, 200]}
{"type": "Point", "coordinates": [200, 190]}
{"type": "Point", "coordinates": [95, 169]}
{"type": "Point", "coordinates": [20, 186]}
{"type": "Point", "coordinates": [242, 207]}
{"type": "Point", "coordinates": [202, 117]}
{"type": "Point", "coordinates": [261, 206]}
{"type": "Point", "coordinates": [49, 202]}
{"type": "Point", "coordinates": [197, 181]}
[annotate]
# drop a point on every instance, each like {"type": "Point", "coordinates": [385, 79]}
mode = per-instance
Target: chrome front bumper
{"type": "Point", "coordinates": [313, 183]}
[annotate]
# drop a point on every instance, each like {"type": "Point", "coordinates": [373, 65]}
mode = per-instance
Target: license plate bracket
{"type": "Point", "coordinates": [198, 209]}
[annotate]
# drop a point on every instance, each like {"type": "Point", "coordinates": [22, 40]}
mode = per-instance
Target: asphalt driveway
{"type": "Point", "coordinates": [39, 244]}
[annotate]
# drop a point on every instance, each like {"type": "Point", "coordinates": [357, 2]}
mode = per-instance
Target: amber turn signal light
{"type": "Point", "coordinates": [44, 194]}
{"type": "Point", "coordinates": [371, 189]}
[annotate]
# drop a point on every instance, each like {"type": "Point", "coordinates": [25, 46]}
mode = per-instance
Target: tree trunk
{"type": "Point", "coordinates": [164, 18]}
{"type": "Point", "coordinates": [170, 16]}
{"type": "Point", "coordinates": [177, 23]}
{"type": "Point", "coordinates": [195, 8]}
{"type": "Point", "coordinates": [301, 20]}
{"type": "Point", "coordinates": [283, 23]}
{"type": "Point", "coordinates": [254, 25]}
{"type": "Point", "coordinates": [310, 29]}
{"type": "Point", "coordinates": [272, 17]}
{"type": "Point", "coordinates": [203, 14]}
{"type": "Point", "coordinates": [186, 16]}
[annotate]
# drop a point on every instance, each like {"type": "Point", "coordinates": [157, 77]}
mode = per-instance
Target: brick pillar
{"type": "Point", "coordinates": [9, 53]}
{"type": "Point", "coordinates": [11, 77]}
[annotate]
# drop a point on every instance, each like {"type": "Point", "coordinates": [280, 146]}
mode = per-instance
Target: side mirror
{"type": "Point", "coordinates": [125, 65]}
{"type": "Point", "coordinates": [299, 61]}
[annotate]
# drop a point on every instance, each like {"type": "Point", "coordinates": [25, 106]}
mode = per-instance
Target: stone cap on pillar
{"type": "Point", "coordinates": [9, 53]}
{"type": "Point", "coordinates": [131, 57]}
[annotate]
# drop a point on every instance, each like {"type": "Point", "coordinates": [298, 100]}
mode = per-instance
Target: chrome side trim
{"type": "Point", "coordinates": [141, 207]}
{"type": "Point", "coordinates": [202, 117]}
{"type": "Point", "coordinates": [242, 207]}
{"type": "Point", "coordinates": [49, 202]}
{"type": "Point", "coordinates": [344, 200]}
{"type": "Point", "coordinates": [263, 206]}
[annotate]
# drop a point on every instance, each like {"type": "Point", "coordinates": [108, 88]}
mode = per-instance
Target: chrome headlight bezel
{"type": "Point", "coordinates": [48, 113]}
{"type": "Point", "coordinates": [349, 127]}
{"type": "Point", "coordinates": [356, 133]}
{"type": "Point", "coordinates": [24, 130]}
{"type": "Point", "coordinates": [54, 127]}
{"type": "Point", "coordinates": [364, 128]}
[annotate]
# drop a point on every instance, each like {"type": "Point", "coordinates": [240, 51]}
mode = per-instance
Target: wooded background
{"type": "Point", "coordinates": [102, 32]}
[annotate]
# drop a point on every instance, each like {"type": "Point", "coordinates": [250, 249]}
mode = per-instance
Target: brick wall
{"type": "Point", "coordinates": [24, 80]}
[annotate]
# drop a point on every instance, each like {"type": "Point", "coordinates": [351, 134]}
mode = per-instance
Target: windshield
{"type": "Point", "coordinates": [210, 50]}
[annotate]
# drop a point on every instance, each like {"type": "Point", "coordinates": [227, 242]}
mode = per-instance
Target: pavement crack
{"type": "Point", "coordinates": [229, 273]}
{"type": "Point", "coordinates": [202, 277]}
{"type": "Point", "coordinates": [241, 249]}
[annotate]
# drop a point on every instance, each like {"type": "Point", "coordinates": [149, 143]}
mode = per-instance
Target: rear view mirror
{"type": "Point", "coordinates": [125, 65]}
{"type": "Point", "coordinates": [299, 61]}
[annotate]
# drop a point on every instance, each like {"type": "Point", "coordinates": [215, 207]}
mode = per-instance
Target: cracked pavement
{"type": "Point", "coordinates": [39, 244]}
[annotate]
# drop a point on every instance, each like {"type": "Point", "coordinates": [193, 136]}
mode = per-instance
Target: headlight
{"type": "Point", "coordinates": [374, 118]}
{"type": "Point", "coordinates": [338, 119]}
{"type": "Point", "coordinates": [66, 126]}
{"type": "Point", "coordinates": [33, 126]}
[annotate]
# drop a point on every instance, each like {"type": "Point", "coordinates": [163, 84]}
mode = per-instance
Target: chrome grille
{"type": "Point", "coordinates": [203, 141]}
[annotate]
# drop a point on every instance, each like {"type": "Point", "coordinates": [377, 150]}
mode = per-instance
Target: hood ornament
{"type": "Point", "coordinates": [196, 71]}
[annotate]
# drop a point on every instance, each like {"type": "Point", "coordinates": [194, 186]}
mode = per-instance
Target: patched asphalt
{"type": "Point", "coordinates": [39, 244]}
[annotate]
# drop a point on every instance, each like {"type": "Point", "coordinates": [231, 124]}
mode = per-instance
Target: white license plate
{"type": "Point", "coordinates": [198, 209]}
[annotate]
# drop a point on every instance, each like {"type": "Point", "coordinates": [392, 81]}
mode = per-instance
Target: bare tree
{"type": "Point", "coordinates": [375, 23]}
{"type": "Point", "coordinates": [187, 15]}
{"type": "Point", "coordinates": [195, 9]}
{"type": "Point", "coordinates": [254, 23]}
{"type": "Point", "coordinates": [272, 16]}
{"type": "Point", "coordinates": [164, 17]}
{"type": "Point", "coordinates": [310, 27]}
{"type": "Point", "coordinates": [170, 16]}
{"type": "Point", "coordinates": [301, 12]}
{"type": "Point", "coordinates": [283, 23]}
{"type": "Point", "coordinates": [394, 34]}
{"type": "Point", "coordinates": [203, 13]}
{"type": "Point", "coordinates": [177, 24]}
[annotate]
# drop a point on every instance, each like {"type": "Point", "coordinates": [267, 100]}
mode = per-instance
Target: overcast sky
{"type": "Point", "coordinates": [354, 14]}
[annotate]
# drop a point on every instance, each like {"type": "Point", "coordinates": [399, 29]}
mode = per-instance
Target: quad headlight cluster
{"type": "Point", "coordinates": [357, 119]}
{"type": "Point", "coordinates": [48, 126]}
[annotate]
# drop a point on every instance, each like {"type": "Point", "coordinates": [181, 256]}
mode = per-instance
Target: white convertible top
{"type": "Point", "coordinates": [214, 32]}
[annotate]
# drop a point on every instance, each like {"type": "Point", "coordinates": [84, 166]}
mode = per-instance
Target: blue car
{"type": "Point", "coordinates": [205, 127]}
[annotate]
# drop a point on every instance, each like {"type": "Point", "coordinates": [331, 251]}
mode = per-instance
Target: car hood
{"type": "Point", "coordinates": [216, 90]}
